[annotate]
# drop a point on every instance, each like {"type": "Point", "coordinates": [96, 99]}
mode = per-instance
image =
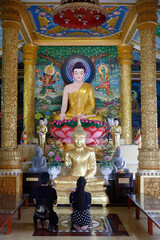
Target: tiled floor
{"type": "Point", "coordinates": [23, 229]}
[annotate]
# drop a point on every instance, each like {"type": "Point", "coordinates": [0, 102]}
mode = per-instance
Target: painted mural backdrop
{"type": "Point", "coordinates": [136, 103]}
{"type": "Point", "coordinates": [49, 83]}
{"type": "Point", "coordinates": [136, 88]}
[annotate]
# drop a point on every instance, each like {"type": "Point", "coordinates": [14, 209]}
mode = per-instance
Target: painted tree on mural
{"type": "Point", "coordinates": [59, 54]}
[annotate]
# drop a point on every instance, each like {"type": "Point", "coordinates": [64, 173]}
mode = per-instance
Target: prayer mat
{"type": "Point", "coordinates": [100, 226]}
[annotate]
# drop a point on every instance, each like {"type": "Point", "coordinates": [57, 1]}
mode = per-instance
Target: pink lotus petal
{"type": "Point", "coordinates": [52, 133]}
{"type": "Point", "coordinates": [65, 128]}
{"type": "Point", "coordinates": [60, 134]}
{"type": "Point", "coordinates": [69, 134]}
{"type": "Point", "coordinates": [91, 129]}
{"type": "Point", "coordinates": [66, 140]}
{"type": "Point", "coordinates": [90, 141]}
{"type": "Point", "coordinates": [88, 134]}
{"type": "Point", "coordinates": [104, 134]}
{"type": "Point", "coordinates": [97, 134]}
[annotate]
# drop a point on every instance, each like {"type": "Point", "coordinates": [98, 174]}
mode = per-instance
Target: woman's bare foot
{"type": "Point", "coordinates": [39, 225]}
{"type": "Point", "coordinates": [46, 224]}
{"type": "Point", "coordinates": [83, 228]}
{"type": "Point", "coordinates": [76, 227]}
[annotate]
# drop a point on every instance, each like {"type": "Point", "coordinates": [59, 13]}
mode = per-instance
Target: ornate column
{"type": "Point", "coordinates": [148, 174]}
{"type": "Point", "coordinates": [125, 60]}
{"type": "Point", "coordinates": [9, 154]}
{"type": "Point", "coordinates": [147, 23]}
{"type": "Point", "coordinates": [29, 60]}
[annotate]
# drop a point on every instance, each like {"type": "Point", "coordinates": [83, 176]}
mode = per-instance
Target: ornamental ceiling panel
{"type": "Point", "coordinates": [43, 25]}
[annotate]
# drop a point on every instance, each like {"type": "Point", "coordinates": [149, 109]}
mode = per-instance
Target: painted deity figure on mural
{"type": "Point", "coordinates": [103, 70]}
{"type": "Point", "coordinates": [79, 95]}
{"type": "Point", "coordinates": [42, 131]}
{"type": "Point", "coordinates": [116, 131]}
{"type": "Point", "coordinates": [48, 80]}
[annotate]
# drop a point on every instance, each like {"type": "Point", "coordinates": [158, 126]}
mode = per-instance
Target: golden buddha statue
{"type": "Point", "coordinates": [116, 131]}
{"type": "Point", "coordinates": [42, 131]}
{"type": "Point", "coordinates": [82, 161]}
{"type": "Point", "coordinates": [80, 96]}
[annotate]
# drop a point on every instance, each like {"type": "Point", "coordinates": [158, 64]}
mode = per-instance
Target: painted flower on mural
{"type": "Point", "coordinates": [62, 130]}
{"type": "Point", "coordinates": [47, 114]}
{"type": "Point", "coordinates": [112, 109]}
{"type": "Point", "coordinates": [37, 104]}
{"type": "Point", "coordinates": [44, 107]}
{"type": "Point", "coordinates": [38, 115]}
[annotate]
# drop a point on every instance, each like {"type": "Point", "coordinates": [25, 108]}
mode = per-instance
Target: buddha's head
{"type": "Point", "coordinates": [39, 151]}
{"type": "Point", "coordinates": [78, 72]}
{"type": "Point", "coordinates": [116, 122]}
{"type": "Point", "coordinates": [79, 136]}
{"type": "Point", "coordinates": [41, 121]}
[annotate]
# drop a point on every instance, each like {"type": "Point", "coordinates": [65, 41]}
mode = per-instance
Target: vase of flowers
{"type": "Point", "coordinates": [55, 155]}
{"type": "Point", "coordinates": [106, 169]}
{"type": "Point", "coordinates": [106, 165]}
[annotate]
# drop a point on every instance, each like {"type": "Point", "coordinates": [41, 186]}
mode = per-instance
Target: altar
{"type": "Point", "coordinates": [130, 153]}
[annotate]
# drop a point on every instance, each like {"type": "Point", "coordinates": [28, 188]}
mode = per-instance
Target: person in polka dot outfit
{"type": "Point", "coordinates": [80, 203]}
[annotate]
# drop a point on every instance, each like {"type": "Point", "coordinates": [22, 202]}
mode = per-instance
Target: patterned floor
{"type": "Point", "coordinates": [100, 226]}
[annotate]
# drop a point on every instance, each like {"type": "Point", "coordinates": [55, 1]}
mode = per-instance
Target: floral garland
{"type": "Point", "coordinates": [73, 123]}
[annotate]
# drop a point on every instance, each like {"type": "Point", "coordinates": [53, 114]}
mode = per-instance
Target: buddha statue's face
{"type": "Point", "coordinates": [116, 122]}
{"type": "Point", "coordinates": [78, 75]}
{"type": "Point", "coordinates": [41, 122]}
{"type": "Point", "coordinates": [79, 141]}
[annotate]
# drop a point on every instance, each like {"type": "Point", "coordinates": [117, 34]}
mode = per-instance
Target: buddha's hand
{"type": "Point", "coordinates": [116, 134]}
{"type": "Point", "coordinates": [62, 116]}
{"type": "Point", "coordinates": [80, 115]}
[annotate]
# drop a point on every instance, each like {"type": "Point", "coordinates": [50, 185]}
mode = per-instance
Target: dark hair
{"type": "Point", "coordinates": [78, 65]}
{"type": "Point", "coordinates": [42, 118]}
{"type": "Point", "coordinates": [115, 119]}
{"type": "Point", "coordinates": [80, 193]}
{"type": "Point", "coordinates": [44, 178]}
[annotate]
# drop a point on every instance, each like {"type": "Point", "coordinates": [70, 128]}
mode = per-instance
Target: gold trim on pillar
{"type": "Point", "coordinates": [147, 22]}
{"type": "Point", "coordinates": [10, 10]}
{"type": "Point", "coordinates": [10, 16]}
{"type": "Point", "coordinates": [29, 60]}
{"type": "Point", "coordinates": [125, 60]}
{"type": "Point", "coordinates": [146, 10]}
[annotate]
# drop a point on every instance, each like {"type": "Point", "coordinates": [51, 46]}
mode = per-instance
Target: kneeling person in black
{"type": "Point", "coordinates": [44, 197]}
{"type": "Point", "coordinates": [80, 202]}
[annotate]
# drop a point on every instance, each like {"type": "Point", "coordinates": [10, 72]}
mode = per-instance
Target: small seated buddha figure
{"type": "Point", "coordinates": [39, 163]}
{"type": "Point", "coordinates": [82, 161]}
{"type": "Point", "coordinates": [79, 95]}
